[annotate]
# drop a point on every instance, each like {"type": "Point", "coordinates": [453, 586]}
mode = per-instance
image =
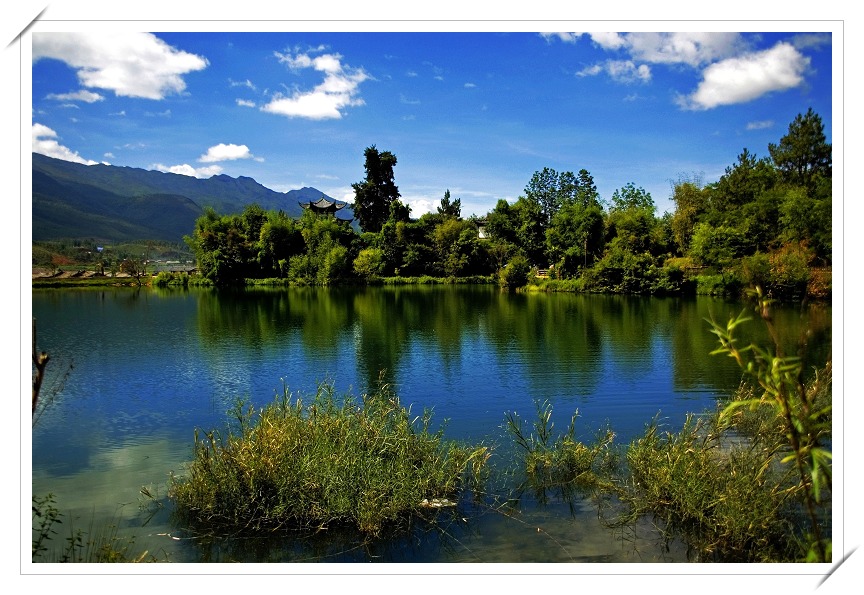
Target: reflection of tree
{"type": "Point", "coordinates": [557, 335]}
{"type": "Point", "coordinates": [381, 332]}
{"type": "Point", "coordinates": [692, 339]}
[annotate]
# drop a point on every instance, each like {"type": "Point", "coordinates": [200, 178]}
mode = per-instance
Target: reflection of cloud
{"type": "Point", "coordinates": [108, 491]}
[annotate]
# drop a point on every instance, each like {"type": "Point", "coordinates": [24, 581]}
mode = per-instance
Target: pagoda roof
{"type": "Point", "coordinates": [323, 204]}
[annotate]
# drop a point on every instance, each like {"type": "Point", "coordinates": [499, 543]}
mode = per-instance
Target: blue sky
{"type": "Point", "coordinates": [475, 113]}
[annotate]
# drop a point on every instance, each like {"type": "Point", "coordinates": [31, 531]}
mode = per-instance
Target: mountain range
{"type": "Point", "coordinates": [116, 204]}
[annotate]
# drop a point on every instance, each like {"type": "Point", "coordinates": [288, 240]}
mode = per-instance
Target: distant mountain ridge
{"type": "Point", "coordinates": [114, 203]}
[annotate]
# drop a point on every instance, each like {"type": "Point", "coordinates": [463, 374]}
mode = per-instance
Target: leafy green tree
{"type": "Point", "coordinates": [803, 154]}
{"type": "Point", "coordinates": [373, 196]}
{"type": "Point", "coordinates": [279, 239]}
{"type": "Point", "coordinates": [369, 263]}
{"type": "Point", "coordinates": [501, 223]}
{"type": "Point", "coordinates": [741, 184]}
{"type": "Point", "coordinates": [550, 189]}
{"type": "Point", "coordinates": [717, 246]}
{"type": "Point", "coordinates": [631, 219]}
{"type": "Point", "coordinates": [690, 202]}
{"type": "Point", "coordinates": [575, 237]}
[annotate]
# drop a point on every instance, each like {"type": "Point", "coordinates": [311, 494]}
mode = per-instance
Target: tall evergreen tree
{"type": "Point", "coordinates": [373, 196]}
{"type": "Point", "coordinates": [803, 155]}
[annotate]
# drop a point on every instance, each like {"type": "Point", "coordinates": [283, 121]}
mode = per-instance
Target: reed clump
{"type": "Point", "coordinates": [750, 482]}
{"type": "Point", "coordinates": [553, 460]}
{"type": "Point", "coordinates": [722, 495]}
{"type": "Point", "coordinates": [329, 461]}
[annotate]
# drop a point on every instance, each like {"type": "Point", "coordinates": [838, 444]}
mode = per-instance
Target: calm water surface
{"type": "Point", "coordinates": [147, 367]}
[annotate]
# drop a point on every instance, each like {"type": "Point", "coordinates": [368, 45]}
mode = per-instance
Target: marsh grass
{"type": "Point", "coordinates": [750, 482]}
{"type": "Point", "coordinates": [554, 460]}
{"type": "Point", "coordinates": [330, 461]}
{"type": "Point", "coordinates": [723, 496]}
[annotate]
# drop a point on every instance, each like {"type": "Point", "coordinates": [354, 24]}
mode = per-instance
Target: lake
{"type": "Point", "coordinates": [134, 372]}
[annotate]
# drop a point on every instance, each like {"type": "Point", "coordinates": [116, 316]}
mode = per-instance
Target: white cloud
{"type": "Point", "coordinates": [745, 78]}
{"type": "Point", "coordinates": [245, 103]}
{"type": "Point", "coordinates": [82, 95]}
{"type": "Point", "coordinates": [130, 64]}
{"type": "Point", "coordinates": [608, 41]}
{"type": "Point", "coordinates": [623, 71]}
{"type": "Point", "coordinates": [761, 125]}
{"type": "Point", "coordinates": [223, 152]}
{"type": "Point", "coordinates": [470, 85]}
{"type": "Point", "coordinates": [693, 49]}
{"type": "Point", "coordinates": [187, 170]}
{"type": "Point", "coordinates": [247, 83]}
{"type": "Point", "coordinates": [44, 143]}
{"type": "Point", "coordinates": [565, 37]}
{"type": "Point", "coordinates": [327, 100]}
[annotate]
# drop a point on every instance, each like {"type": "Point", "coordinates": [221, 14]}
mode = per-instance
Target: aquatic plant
{"type": "Point", "coordinates": [800, 410]}
{"type": "Point", "coordinates": [292, 464]}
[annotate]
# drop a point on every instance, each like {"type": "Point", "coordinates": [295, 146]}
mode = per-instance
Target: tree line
{"type": "Point", "coordinates": [766, 222]}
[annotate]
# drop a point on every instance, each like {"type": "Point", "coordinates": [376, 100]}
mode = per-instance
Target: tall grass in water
{"type": "Point", "coordinates": [723, 497]}
{"type": "Point", "coordinates": [802, 414]}
{"type": "Point", "coordinates": [748, 482]}
{"type": "Point", "coordinates": [363, 462]}
{"type": "Point", "coordinates": [553, 460]}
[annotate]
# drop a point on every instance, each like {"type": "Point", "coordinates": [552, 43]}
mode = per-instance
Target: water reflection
{"type": "Point", "coordinates": [153, 365]}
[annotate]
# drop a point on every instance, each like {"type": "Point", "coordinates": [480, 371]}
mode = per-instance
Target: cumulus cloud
{"type": "Point", "coordinates": [82, 95]}
{"type": "Point", "coordinates": [223, 152]}
{"type": "Point", "coordinates": [745, 78]}
{"type": "Point", "coordinates": [245, 103]}
{"type": "Point", "coordinates": [731, 71]}
{"type": "Point", "coordinates": [187, 170]}
{"type": "Point", "coordinates": [328, 99]}
{"type": "Point", "coordinates": [693, 49]}
{"type": "Point", "coordinates": [129, 64]}
{"type": "Point", "coordinates": [45, 143]}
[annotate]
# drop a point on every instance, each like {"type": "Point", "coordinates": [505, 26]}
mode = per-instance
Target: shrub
{"type": "Point", "coordinates": [515, 273]}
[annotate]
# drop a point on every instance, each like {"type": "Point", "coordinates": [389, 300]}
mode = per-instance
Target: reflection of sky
{"type": "Point", "coordinates": [144, 377]}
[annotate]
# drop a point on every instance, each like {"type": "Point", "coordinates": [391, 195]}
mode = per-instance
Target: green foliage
{"type": "Point", "coordinates": [690, 202]}
{"type": "Point", "coordinates": [369, 263]}
{"type": "Point", "coordinates": [575, 237]}
{"type": "Point", "coordinates": [717, 246]}
{"type": "Point", "coordinates": [448, 208]}
{"type": "Point", "coordinates": [328, 461]}
{"type": "Point", "coordinates": [553, 460]}
{"type": "Point", "coordinates": [622, 271]}
{"type": "Point", "coordinates": [721, 497]}
{"type": "Point", "coordinates": [803, 412]}
{"type": "Point", "coordinates": [720, 285]}
{"type": "Point", "coordinates": [515, 273]}
{"type": "Point", "coordinates": [374, 195]}
{"type": "Point", "coordinates": [803, 155]}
